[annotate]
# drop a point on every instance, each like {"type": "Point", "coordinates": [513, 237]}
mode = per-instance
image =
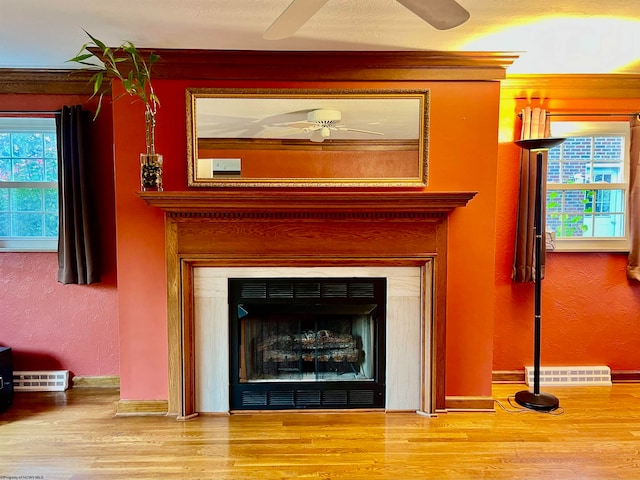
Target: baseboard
{"type": "Point", "coordinates": [517, 376]}
{"type": "Point", "coordinates": [142, 408]}
{"type": "Point", "coordinates": [508, 376]}
{"type": "Point", "coordinates": [469, 404]}
{"type": "Point", "coordinates": [625, 376]}
{"type": "Point", "coordinates": [102, 381]}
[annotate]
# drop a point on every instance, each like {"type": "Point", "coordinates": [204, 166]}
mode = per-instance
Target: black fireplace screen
{"type": "Point", "coordinates": [307, 343]}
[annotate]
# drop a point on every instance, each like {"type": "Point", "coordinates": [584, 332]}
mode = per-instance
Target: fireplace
{"type": "Point", "coordinates": [212, 236]}
{"type": "Point", "coordinates": [299, 343]}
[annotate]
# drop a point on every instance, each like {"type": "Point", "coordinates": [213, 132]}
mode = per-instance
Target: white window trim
{"type": "Point", "coordinates": [28, 244]}
{"type": "Point", "coordinates": [581, 129]}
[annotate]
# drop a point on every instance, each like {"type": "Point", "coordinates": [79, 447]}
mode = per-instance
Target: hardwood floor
{"type": "Point", "coordinates": [74, 435]}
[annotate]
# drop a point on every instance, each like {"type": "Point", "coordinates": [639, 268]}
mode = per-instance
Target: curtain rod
{"type": "Point", "coordinates": [593, 114]}
{"type": "Point", "coordinates": [30, 112]}
{"type": "Point", "coordinates": [549, 114]}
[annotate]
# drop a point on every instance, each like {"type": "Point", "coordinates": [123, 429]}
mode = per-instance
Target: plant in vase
{"type": "Point", "coordinates": [128, 65]}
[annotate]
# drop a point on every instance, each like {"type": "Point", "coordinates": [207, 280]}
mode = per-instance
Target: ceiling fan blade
{"type": "Point", "coordinates": [346, 129]}
{"type": "Point", "coordinates": [289, 21]}
{"type": "Point", "coordinates": [299, 124]}
{"type": "Point", "coordinates": [441, 14]}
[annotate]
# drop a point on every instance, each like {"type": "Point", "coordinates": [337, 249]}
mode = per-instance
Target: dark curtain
{"type": "Point", "coordinates": [534, 125]}
{"type": "Point", "coordinates": [633, 265]}
{"type": "Point", "coordinates": [76, 257]}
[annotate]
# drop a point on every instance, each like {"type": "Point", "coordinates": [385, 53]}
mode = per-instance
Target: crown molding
{"type": "Point", "coordinates": [542, 86]}
{"type": "Point", "coordinates": [316, 66]}
{"type": "Point", "coordinates": [322, 66]}
{"type": "Point", "coordinates": [49, 81]}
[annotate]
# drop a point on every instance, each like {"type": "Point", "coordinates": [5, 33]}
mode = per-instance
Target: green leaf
{"type": "Point", "coordinates": [97, 81]}
{"type": "Point", "coordinates": [98, 43]}
{"type": "Point", "coordinates": [136, 80]}
{"type": "Point", "coordinates": [81, 57]}
{"type": "Point", "coordinates": [128, 86]}
{"type": "Point", "coordinates": [154, 98]}
{"type": "Point", "coordinates": [99, 106]}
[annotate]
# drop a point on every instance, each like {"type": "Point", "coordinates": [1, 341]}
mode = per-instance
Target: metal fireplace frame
{"type": "Point", "coordinates": [308, 295]}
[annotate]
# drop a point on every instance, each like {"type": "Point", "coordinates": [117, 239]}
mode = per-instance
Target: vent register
{"type": "Point", "coordinates": [323, 294]}
{"type": "Point", "coordinates": [284, 290]}
{"type": "Point", "coordinates": [570, 376]}
{"type": "Point", "coordinates": [309, 398]}
{"type": "Point", "coordinates": [41, 381]}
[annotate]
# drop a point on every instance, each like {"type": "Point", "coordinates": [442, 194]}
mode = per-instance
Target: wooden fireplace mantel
{"type": "Point", "coordinates": [307, 202]}
{"type": "Point", "coordinates": [303, 228]}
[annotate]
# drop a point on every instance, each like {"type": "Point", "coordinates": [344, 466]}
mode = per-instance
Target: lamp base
{"type": "Point", "coordinates": [543, 402]}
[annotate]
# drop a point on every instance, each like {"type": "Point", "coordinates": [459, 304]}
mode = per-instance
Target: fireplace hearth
{"type": "Point", "coordinates": [299, 343]}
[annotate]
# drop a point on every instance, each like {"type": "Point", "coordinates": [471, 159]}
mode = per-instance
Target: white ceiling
{"type": "Point", "coordinates": [568, 36]}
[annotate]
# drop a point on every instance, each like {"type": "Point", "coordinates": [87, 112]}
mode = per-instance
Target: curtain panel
{"type": "Point", "coordinates": [633, 265]}
{"type": "Point", "coordinates": [535, 124]}
{"type": "Point", "coordinates": [76, 258]}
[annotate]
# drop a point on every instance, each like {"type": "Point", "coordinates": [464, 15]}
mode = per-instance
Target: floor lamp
{"type": "Point", "coordinates": [535, 400]}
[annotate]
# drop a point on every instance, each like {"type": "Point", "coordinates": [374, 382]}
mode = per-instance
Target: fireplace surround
{"type": "Point", "coordinates": [305, 228]}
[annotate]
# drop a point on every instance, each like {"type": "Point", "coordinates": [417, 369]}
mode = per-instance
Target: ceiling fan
{"type": "Point", "coordinates": [441, 14]}
{"type": "Point", "coordinates": [322, 121]}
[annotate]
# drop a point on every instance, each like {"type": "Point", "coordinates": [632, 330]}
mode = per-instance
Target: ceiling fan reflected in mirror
{"type": "Point", "coordinates": [322, 121]}
{"type": "Point", "coordinates": [440, 14]}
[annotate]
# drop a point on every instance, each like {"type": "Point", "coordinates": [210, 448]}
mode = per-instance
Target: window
{"type": "Point", "coordinates": [587, 185]}
{"type": "Point", "coordinates": [28, 184]}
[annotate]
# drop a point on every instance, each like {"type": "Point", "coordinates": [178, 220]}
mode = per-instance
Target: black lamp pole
{"type": "Point", "coordinates": [535, 400]}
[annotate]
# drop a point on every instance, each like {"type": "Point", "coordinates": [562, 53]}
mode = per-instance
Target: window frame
{"type": "Point", "coordinates": [595, 129]}
{"type": "Point", "coordinates": [29, 244]}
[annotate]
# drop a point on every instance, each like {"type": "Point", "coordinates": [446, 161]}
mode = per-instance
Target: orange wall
{"type": "Point", "coordinates": [463, 151]}
{"type": "Point", "coordinates": [590, 311]}
{"type": "Point", "coordinates": [51, 326]}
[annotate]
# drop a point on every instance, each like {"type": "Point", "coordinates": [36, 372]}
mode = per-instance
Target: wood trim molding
{"type": "Point", "coordinates": [142, 408]}
{"type": "Point", "coordinates": [508, 376]}
{"type": "Point", "coordinates": [326, 66]}
{"type": "Point", "coordinates": [625, 376]}
{"type": "Point", "coordinates": [570, 86]}
{"type": "Point", "coordinates": [306, 203]}
{"type": "Point", "coordinates": [101, 381]}
{"type": "Point", "coordinates": [332, 66]}
{"type": "Point", "coordinates": [49, 81]}
{"type": "Point", "coordinates": [468, 404]}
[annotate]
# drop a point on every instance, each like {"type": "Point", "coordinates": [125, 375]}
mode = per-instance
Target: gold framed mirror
{"type": "Point", "coordinates": [304, 137]}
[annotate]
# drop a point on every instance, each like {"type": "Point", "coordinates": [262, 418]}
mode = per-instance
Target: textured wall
{"type": "Point", "coordinates": [53, 326]}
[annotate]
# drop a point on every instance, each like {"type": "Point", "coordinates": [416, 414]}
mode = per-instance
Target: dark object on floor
{"type": "Point", "coordinates": [6, 378]}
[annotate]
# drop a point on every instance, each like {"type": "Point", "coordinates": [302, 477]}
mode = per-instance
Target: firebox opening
{"type": "Point", "coordinates": [307, 343]}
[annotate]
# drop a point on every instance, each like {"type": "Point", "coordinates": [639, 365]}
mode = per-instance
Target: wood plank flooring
{"type": "Point", "coordinates": [74, 435]}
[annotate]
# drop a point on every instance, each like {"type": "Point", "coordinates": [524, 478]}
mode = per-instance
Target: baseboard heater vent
{"type": "Point", "coordinates": [568, 376]}
{"type": "Point", "coordinates": [41, 381]}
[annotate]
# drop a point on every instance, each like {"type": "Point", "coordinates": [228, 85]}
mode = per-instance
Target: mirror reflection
{"type": "Point", "coordinates": [306, 137]}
